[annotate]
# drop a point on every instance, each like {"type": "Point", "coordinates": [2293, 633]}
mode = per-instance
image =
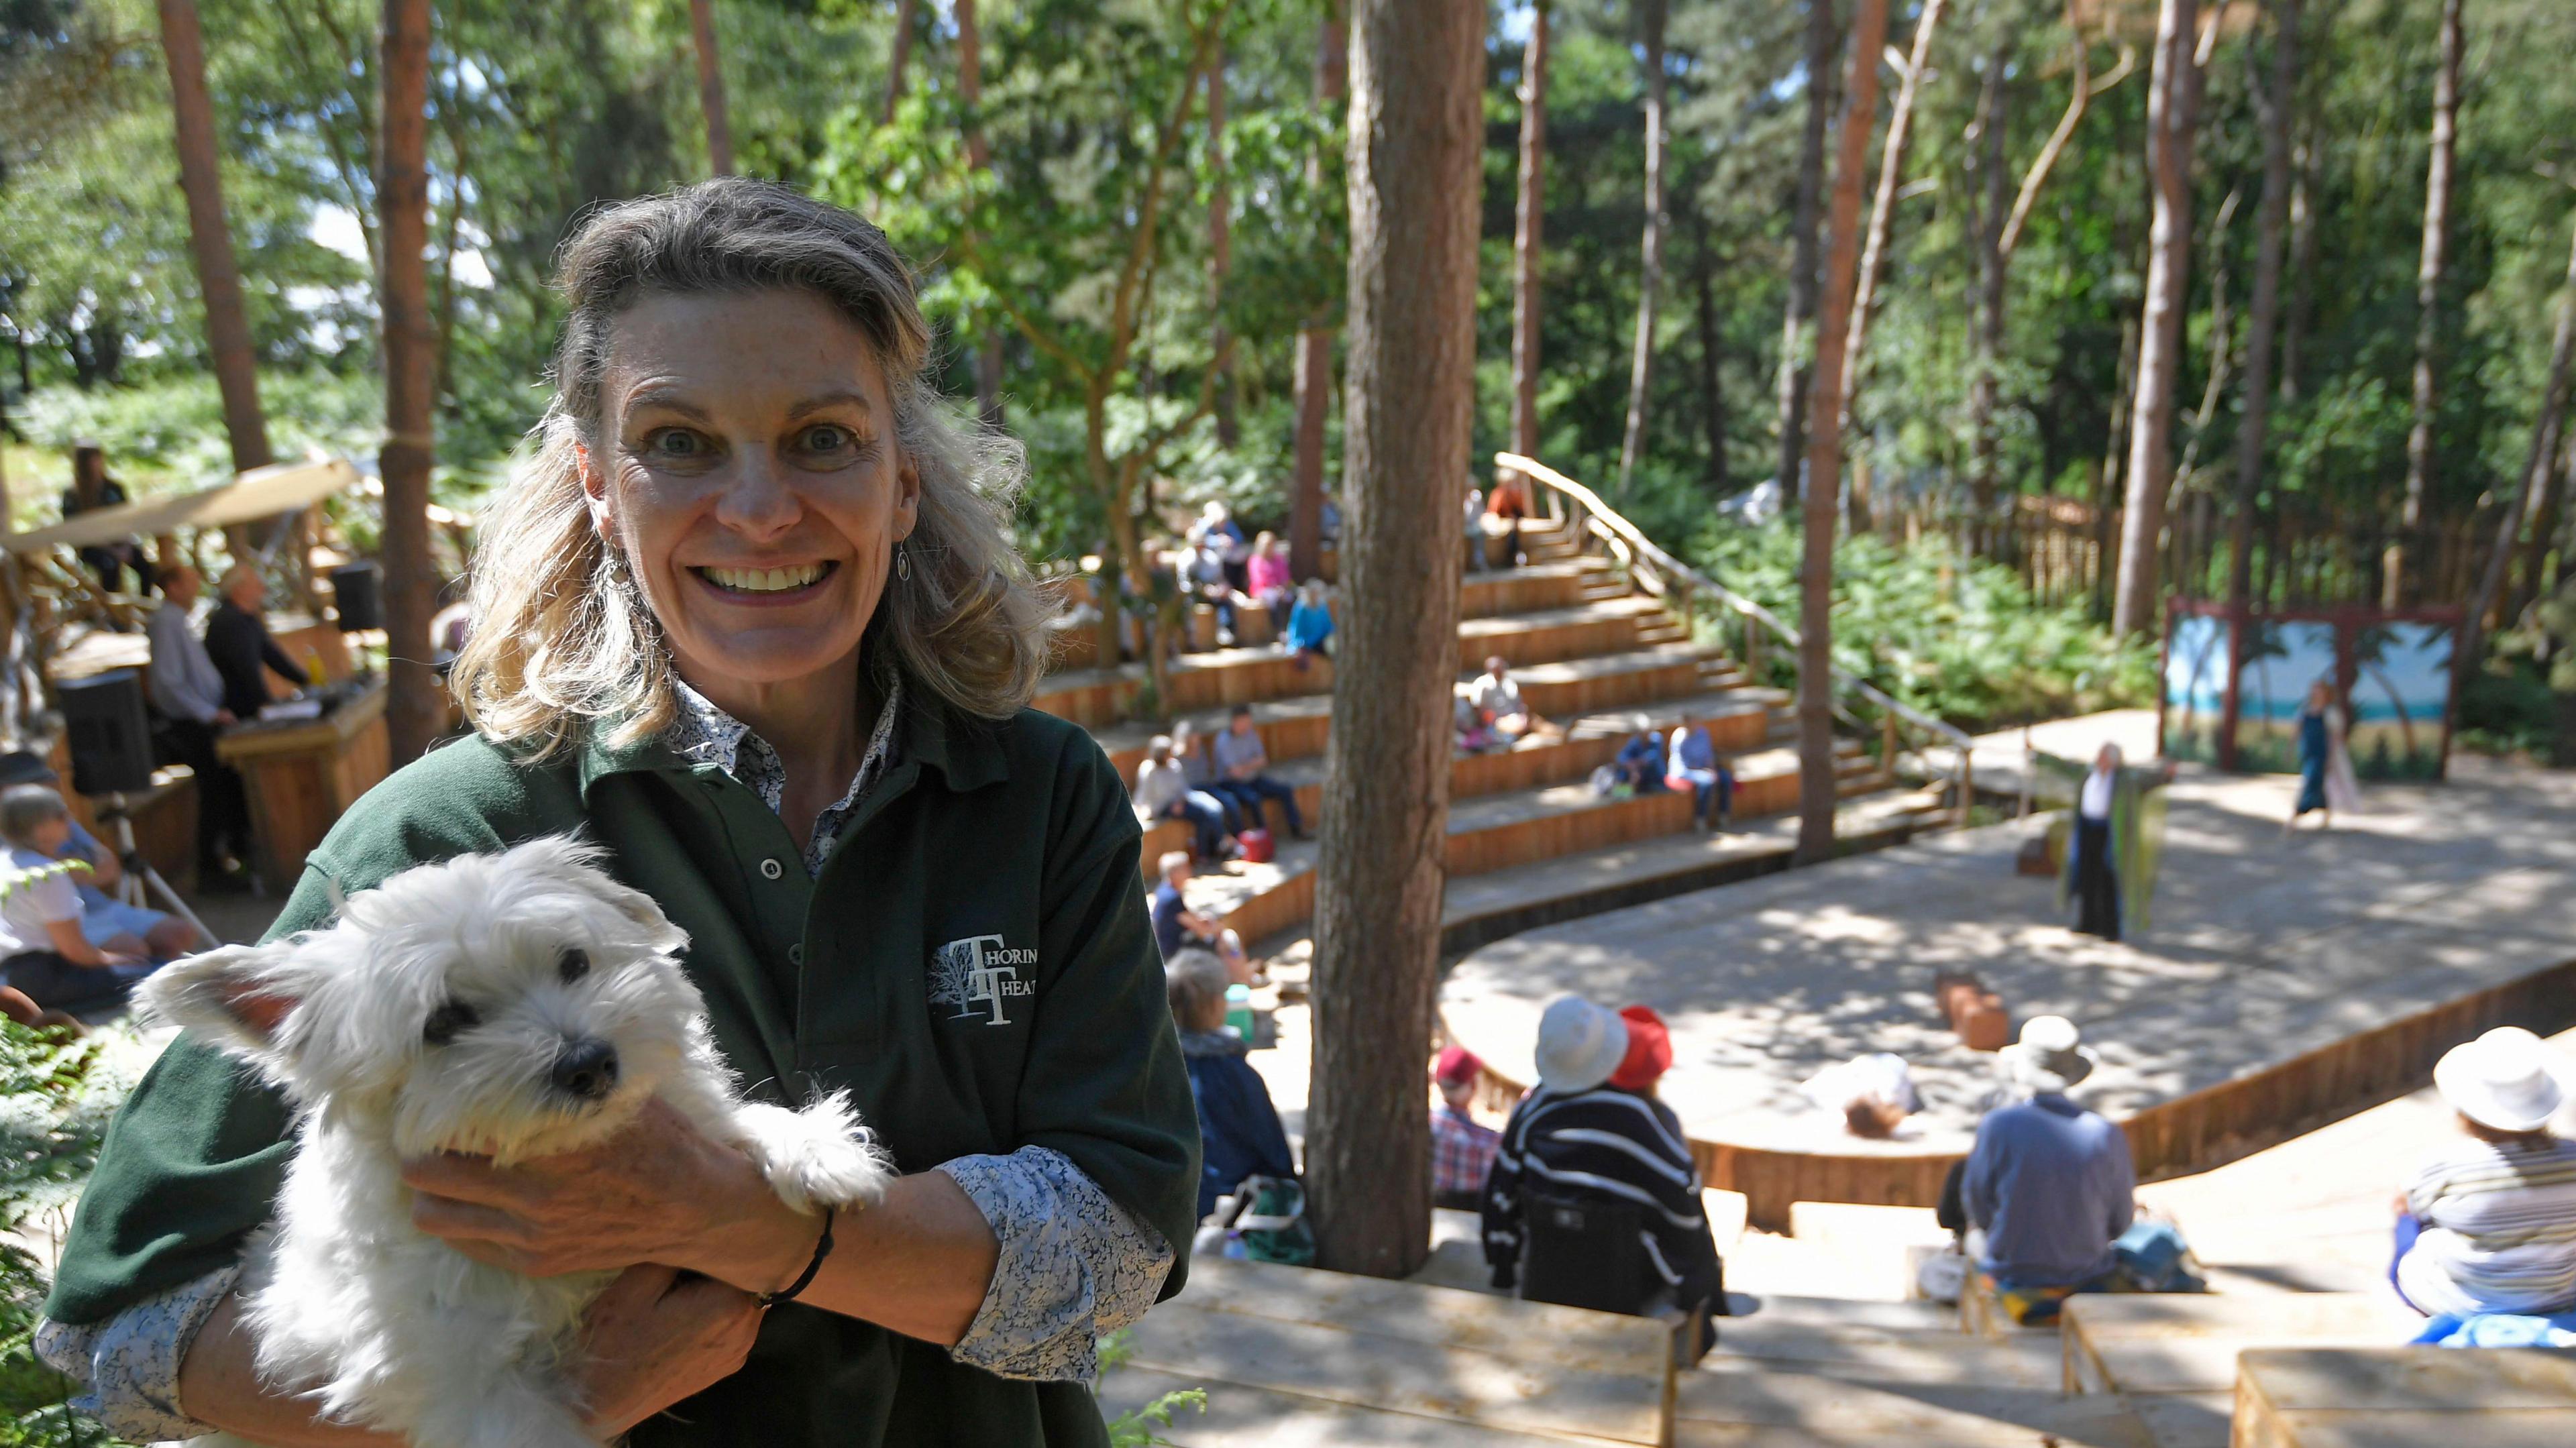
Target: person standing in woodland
{"type": "Point", "coordinates": [2326, 781]}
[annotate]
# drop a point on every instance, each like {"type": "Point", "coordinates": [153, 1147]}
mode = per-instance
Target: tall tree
{"type": "Point", "coordinates": [1220, 248]}
{"type": "Point", "coordinates": [1711, 347]}
{"type": "Point", "coordinates": [1817, 780]}
{"type": "Point", "coordinates": [414, 712]}
{"type": "Point", "coordinates": [210, 237]}
{"type": "Point", "coordinates": [711, 88]}
{"type": "Point", "coordinates": [2173, 104]}
{"type": "Point", "coordinates": [2545, 429]}
{"type": "Point", "coordinates": [1792, 381]}
{"type": "Point", "coordinates": [1529, 215]}
{"type": "Point", "coordinates": [1314, 376]}
{"type": "Point", "coordinates": [1882, 207]}
{"type": "Point", "coordinates": [899, 53]}
{"type": "Point", "coordinates": [2263, 311]}
{"type": "Point", "coordinates": [1416, 143]}
{"type": "Point", "coordinates": [2428, 305]}
{"type": "Point", "coordinates": [1650, 263]}
{"type": "Point", "coordinates": [979, 151]}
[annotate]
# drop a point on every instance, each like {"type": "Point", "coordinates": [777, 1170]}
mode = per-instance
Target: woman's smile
{"type": "Point", "coordinates": [767, 587]}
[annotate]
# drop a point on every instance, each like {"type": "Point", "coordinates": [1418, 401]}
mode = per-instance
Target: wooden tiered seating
{"type": "Point", "coordinates": [2175, 1357]}
{"type": "Point", "coordinates": [2405, 1397]}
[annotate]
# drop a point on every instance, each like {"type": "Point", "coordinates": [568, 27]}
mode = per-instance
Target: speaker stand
{"type": "Point", "coordinates": [138, 870]}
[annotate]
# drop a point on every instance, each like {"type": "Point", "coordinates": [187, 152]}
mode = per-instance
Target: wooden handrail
{"type": "Point", "coordinates": [1625, 538]}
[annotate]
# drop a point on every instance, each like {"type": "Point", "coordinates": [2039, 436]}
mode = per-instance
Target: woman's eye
{"type": "Point", "coordinates": [674, 442]}
{"type": "Point", "coordinates": [449, 1021]}
{"type": "Point", "coordinates": [826, 438]}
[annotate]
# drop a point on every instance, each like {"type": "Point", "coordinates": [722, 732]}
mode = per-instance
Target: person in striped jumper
{"type": "Point", "coordinates": [2489, 1224]}
{"type": "Point", "coordinates": [1593, 1131]}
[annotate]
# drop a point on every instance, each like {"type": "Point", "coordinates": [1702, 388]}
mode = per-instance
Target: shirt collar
{"type": "Point", "coordinates": [967, 752]}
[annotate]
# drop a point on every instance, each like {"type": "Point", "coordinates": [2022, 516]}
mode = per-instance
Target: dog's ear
{"type": "Point", "coordinates": [234, 996]}
{"type": "Point", "coordinates": [576, 862]}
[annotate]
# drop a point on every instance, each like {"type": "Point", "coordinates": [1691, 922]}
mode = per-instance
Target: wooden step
{"type": "Point", "coordinates": [1539, 586]}
{"type": "Point", "coordinates": [1584, 630]}
{"type": "Point", "coordinates": [1584, 686]}
{"type": "Point", "coordinates": [1090, 697]}
{"type": "Point", "coordinates": [1744, 1407]}
{"type": "Point", "coordinates": [2406, 1397]}
{"type": "Point", "coordinates": [1428, 1353]}
{"type": "Point", "coordinates": [2188, 1343]}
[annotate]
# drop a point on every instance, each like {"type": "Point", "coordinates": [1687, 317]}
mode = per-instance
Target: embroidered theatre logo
{"type": "Point", "coordinates": [980, 973]}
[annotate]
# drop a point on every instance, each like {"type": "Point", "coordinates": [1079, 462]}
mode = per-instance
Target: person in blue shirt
{"type": "Point", "coordinates": [1694, 758]}
{"type": "Point", "coordinates": [1239, 1131]}
{"type": "Point", "coordinates": [1310, 624]}
{"type": "Point", "coordinates": [1177, 927]}
{"type": "Point", "coordinates": [2051, 1184]}
{"type": "Point", "coordinates": [1640, 762]}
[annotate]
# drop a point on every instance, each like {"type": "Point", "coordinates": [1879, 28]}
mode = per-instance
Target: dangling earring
{"type": "Point", "coordinates": [902, 563]}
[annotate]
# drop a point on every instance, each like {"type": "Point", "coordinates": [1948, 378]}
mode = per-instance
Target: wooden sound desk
{"type": "Point", "coordinates": [301, 774]}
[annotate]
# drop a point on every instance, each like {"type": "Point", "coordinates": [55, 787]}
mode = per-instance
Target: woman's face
{"type": "Point", "coordinates": [748, 465]}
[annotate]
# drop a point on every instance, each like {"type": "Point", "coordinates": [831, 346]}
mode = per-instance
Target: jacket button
{"type": "Point", "coordinates": [796, 954]}
{"type": "Point", "coordinates": [771, 869]}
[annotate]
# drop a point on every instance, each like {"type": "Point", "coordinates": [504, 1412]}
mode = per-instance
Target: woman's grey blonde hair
{"type": "Point", "coordinates": [563, 640]}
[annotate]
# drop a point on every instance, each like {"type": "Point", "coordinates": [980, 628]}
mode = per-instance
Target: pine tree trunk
{"type": "Point", "coordinates": [2535, 472]}
{"type": "Point", "coordinates": [1793, 373]}
{"type": "Point", "coordinates": [1314, 378]}
{"type": "Point", "coordinates": [1529, 213]}
{"type": "Point", "coordinates": [979, 154]}
{"type": "Point", "coordinates": [1711, 345]}
{"type": "Point", "coordinates": [1891, 174]}
{"type": "Point", "coordinates": [2263, 311]}
{"type": "Point", "coordinates": [1650, 263]}
{"type": "Point", "coordinates": [711, 88]}
{"type": "Point", "coordinates": [1986, 314]}
{"type": "Point", "coordinates": [414, 711]}
{"type": "Point", "coordinates": [1220, 249]}
{"type": "Point", "coordinates": [2171, 108]}
{"type": "Point", "coordinates": [228, 340]}
{"type": "Point", "coordinates": [1817, 781]}
{"type": "Point", "coordinates": [1416, 143]}
{"type": "Point", "coordinates": [2405, 554]}
{"type": "Point", "coordinates": [899, 55]}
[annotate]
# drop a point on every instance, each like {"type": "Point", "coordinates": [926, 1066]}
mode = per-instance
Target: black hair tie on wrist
{"type": "Point", "coordinates": [805, 1279]}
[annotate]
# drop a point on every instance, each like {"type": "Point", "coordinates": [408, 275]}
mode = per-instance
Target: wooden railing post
{"type": "Point", "coordinates": [1967, 784]}
{"type": "Point", "coordinates": [1887, 742]}
{"type": "Point", "coordinates": [1753, 648]}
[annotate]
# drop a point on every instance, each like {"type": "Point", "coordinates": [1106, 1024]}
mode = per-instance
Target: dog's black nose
{"type": "Point", "coordinates": [586, 1070]}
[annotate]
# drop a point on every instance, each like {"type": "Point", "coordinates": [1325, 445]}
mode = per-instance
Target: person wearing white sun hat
{"type": "Point", "coordinates": [2489, 1224]}
{"type": "Point", "coordinates": [2051, 1184]}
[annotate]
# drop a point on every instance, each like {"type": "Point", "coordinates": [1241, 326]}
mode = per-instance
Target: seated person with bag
{"type": "Point", "coordinates": [1239, 1131]}
{"type": "Point", "coordinates": [2488, 1225]}
{"type": "Point", "coordinates": [2053, 1187]}
{"type": "Point", "coordinates": [1177, 927]}
{"type": "Point", "coordinates": [1163, 793]}
{"type": "Point", "coordinates": [1594, 1199]}
{"type": "Point", "coordinates": [1695, 764]}
{"type": "Point", "coordinates": [43, 952]}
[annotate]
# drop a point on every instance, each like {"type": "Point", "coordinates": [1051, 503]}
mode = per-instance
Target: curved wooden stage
{"type": "Point", "coordinates": [2286, 983]}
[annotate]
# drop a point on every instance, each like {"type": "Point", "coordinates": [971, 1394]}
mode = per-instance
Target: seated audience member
{"type": "Point", "coordinates": [1177, 927]}
{"type": "Point", "coordinates": [1189, 747]}
{"type": "Point", "coordinates": [1640, 762]}
{"type": "Point", "coordinates": [107, 922]}
{"type": "Point", "coordinates": [2053, 1188]}
{"type": "Point", "coordinates": [1474, 730]}
{"type": "Point", "coordinates": [1310, 625]}
{"type": "Point", "coordinates": [1462, 1148]}
{"type": "Point", "coordinates": [43, 953]}
{"type": "Point", "coordinates": [1594, 1131]}
{"type": "Point", "coordinates": [1476, 530]}
{"type": "Point", "coordinates": [2489, 1224]}
{"type": "Point", "coordinates": [1163, 793]}
{"type": "Point", "coordinates": [1712, 784]}
{"type": "Point", "coordinates": [1510, 504]}
{"type": "Point", "coordinates": [237, 640]}
{"type": "Point", "coordinates": [1204, 580]}
{"type": "Point", "coordinates": [1241, 759]}
{"type": "Point", "coordinates": [1499, 697]}
{"type": "Point", "coordinates": [1239, 1131]}
{"type": "Point", "coordinates": [1268, 579]}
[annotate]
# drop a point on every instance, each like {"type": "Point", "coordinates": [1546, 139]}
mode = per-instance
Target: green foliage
{"type": "Point", "coordinates": [1139, 1428]}
{"type": "Point", "coordinates": [1959, 638]}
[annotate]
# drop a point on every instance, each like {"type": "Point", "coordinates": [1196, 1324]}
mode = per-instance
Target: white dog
{"type": "Point", "coordinates": [514, 1006]}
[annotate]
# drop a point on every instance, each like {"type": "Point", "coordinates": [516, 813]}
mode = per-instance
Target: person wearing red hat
{"type": "Point", "coordinates": [1462, 1150]}
{"type": "Point", "coordinates": [1594, 1200]}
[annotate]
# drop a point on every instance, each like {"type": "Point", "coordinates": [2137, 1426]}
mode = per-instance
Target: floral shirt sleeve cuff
{"type": "Point", "coordinates": [1074, 1267]}
{"type": "Point", "coordinates": [130, 1362]}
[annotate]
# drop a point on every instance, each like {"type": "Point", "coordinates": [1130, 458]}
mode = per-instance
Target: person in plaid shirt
{"type": "Point", "coordinates": [1462, 1152]}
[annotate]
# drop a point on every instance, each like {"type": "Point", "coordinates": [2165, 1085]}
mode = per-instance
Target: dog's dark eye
{"type": "Point", "coordinates": [575, 965]}
{"type": "Point", "coordinates": [448, 1020]}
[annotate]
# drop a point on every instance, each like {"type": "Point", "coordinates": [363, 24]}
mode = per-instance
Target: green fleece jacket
{"type": "Point", "coordinates": [1010, 841]}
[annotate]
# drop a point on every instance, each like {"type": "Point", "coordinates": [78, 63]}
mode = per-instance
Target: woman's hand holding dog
{"type": "Point", "coordinates": [657, 1192]}
{"type": "Point", "coordinates": [656, 1337]}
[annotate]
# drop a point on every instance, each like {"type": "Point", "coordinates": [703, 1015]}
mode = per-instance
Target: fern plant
{"type": "Point", "coordinates": [1143, 1427]}
{"type": "Point", "coordinates": [56, 1095]}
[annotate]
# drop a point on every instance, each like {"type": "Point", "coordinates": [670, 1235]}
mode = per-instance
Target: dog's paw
{"type": "Point", "coordinates": [818, 1157]}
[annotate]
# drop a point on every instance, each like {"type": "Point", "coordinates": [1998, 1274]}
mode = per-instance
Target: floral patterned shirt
{"type": "Point", "coordinates": [1074, 1266]}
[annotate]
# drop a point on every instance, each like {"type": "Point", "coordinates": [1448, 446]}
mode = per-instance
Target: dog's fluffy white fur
{"type": "Point", "coordinates": [466, 1006]}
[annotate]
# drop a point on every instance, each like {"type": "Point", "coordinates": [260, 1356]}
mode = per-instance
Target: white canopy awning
{"type": "Point", "coordinates": [259, 493]}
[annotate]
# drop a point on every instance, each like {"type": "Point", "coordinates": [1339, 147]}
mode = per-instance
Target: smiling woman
{"type": "Point", "coordinates": [751, 622]}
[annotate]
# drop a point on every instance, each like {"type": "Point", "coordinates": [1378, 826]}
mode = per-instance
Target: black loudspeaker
{"type": "Point", "coordinates": [109, 735]}
{"type": "Point", "coordinates": [357, 587]}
